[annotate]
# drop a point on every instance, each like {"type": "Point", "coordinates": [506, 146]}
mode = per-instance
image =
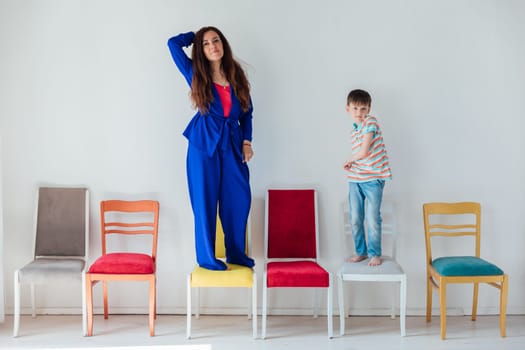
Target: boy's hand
{"type": "Point", "coordinates": [347, 165]}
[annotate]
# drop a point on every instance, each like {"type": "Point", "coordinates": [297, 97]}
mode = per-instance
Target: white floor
{"type": "Point", "coordinates": [284, 332]}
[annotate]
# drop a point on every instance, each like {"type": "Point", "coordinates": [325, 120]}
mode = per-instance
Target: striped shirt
{"type": "Point", "coordinates": [375, 165]}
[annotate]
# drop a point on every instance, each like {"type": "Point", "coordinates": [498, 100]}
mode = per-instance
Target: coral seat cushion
{"type": "Point", "coordinates": [296, 274]}
{"type": "Point", "coordinates": [123, 263]}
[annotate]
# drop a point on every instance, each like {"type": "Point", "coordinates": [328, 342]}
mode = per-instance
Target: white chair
{"type": "Point", "coordinates": [61, 228]}
{"type": "Point", "coordinates": [388, 271]}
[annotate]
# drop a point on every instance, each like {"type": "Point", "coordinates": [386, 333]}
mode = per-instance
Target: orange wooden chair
{"type": "Point", "coordinates": [126, 218]}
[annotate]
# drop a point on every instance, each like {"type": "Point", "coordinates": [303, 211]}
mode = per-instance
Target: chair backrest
{"type": "Point", "coordinates": [291, 224]}
{"type": "Point", "coordinates": [62, 222]}
{"type": "Point", "coordinates": [451, 220]}
{"type": "Point", "coordinates": [220, 248]}
{"type": "Point", "coordinates": [388, 224]}
{"type": "Point", "coordinates": [130, 218]}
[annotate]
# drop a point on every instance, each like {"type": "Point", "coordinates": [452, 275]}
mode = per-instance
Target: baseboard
{"type": "Point", "coordinates": [458, 311]}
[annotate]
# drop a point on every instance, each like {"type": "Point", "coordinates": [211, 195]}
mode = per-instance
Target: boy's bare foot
{"type": "Point", "coordinates": [356, 258]}
{"type": "Point", "coordinates": [375, 261]}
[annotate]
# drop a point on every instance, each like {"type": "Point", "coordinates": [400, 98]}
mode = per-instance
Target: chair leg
{"type": "Point", "coordinates": [429, 297]}
{"type": "Point", "coordinates": [84, 317]}
{"type": "Point", "coordinates": [330, 308]}
{"type": "Point", "coordinates": [105, 292]}
{"type": "Point", "coordinates": [395, 298]}
{"type": "Point", "coordinates": [33, 300]}
{"type": "Point", "coordinates": [249, 311]}
{"type": "Point", "coordinates": [475, 301]}
{"type": "Point", "coordinates": [403, 304]}
{"type": "Point", "coordinates": [152, 306]}
{"type": "Point", "coordinates": [317, 295]}
{"type": "Point", "coordinates": [197, 302]}
{"type": "Point", "coordinates": [264, 304]}
{"type": "Point", "coordinates": [254, 307]}
{"type": "Point", "coordinates": [443, 308]}
{"type": "Point", "coordinates": [341, 305]}
{"type": "Point", "coordinates": [89, 305]}
{"type": "Point", "coordinates": [155, 304]}
{"type": "Point", "coordinates": [188, 307]}
{"type": "Point", "coordinates": [503, 305]}
{"type": "Point", "coordinates": [16, 313]}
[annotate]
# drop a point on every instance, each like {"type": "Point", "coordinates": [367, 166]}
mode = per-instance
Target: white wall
{"type": "Point", "coordinates": [2, 301]}
{"type": "Point", "coordinates": [89, 95]}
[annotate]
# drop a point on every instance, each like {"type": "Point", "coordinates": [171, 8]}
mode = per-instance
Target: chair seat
{"type": "Point", "coordinates": [123, 263]}
{"type": "Point", "coordinates": [44, 269]}
{"type": "Point", "coordinates": [465, 266]}
{"type": "Point", "coordinates": [235, 276]}
{"type": "Point", "coordinates": [388, 267]}
{"type": "Point", "coordinates": [296, 274]}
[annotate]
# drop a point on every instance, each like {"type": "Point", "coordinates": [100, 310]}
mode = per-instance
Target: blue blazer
{"type": "Point", "coordinates": [204, 130]}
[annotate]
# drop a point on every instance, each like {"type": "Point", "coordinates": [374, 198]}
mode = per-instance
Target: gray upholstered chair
{"type": "Point", "coordinates": [60, 247]}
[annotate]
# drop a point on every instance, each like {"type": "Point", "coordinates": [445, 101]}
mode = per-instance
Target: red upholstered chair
{"type": "Point", "coordinates": [291, 246]}
{"type": "Point", "coordinates": [125, 218]}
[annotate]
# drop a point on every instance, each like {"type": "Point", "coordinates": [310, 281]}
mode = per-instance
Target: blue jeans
{"type": "Point", "coordinates": [372, 192]}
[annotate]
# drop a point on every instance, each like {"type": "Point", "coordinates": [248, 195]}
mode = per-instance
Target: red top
{"type": "Point", "coordinates": [226, 98]}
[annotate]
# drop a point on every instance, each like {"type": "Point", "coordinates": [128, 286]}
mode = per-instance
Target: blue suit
{"type": "Point", "coordinates": [216, 172]}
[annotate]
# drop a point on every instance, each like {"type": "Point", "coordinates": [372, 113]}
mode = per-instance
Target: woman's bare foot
{"type": "Point", "coordinates": [356, 258]}
{"type": "Point", "coordinates": [375, 261]}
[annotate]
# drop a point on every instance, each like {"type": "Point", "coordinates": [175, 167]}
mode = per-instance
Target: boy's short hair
{"type": "Point", "coordinates": [359, 97]}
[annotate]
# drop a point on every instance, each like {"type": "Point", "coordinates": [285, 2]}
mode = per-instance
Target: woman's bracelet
{"type": "Point", "coordinates": [247, 143]}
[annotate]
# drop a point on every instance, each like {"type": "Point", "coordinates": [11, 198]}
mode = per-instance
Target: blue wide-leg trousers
{"type": "Point", "coordinates": [222, 181]}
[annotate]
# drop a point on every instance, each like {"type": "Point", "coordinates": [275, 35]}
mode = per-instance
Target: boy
{"type": "Point", "coordinates": [368, 168]}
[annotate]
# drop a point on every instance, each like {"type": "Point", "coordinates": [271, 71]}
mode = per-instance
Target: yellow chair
{"type": "Point", "coordinates": [453, 220]}
{"type": "Point", "coordinates": [236, 276]}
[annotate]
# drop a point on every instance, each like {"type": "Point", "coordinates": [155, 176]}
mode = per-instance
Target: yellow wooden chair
{"type": "Point", "coordinates": [236, 276]}
{"type": "Point", "coordinates": [453, 220]}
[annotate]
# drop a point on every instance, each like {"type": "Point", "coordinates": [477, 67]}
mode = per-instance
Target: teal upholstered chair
{"type": "Point", "coordinates": [453, 220]}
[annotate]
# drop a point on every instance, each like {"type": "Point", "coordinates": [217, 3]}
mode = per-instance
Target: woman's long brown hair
{"type": "Point", "coordinates": [201, 91]}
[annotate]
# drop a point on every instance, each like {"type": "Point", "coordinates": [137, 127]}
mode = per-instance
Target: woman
{"type": "Point", "coordinates": [219, 147]}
